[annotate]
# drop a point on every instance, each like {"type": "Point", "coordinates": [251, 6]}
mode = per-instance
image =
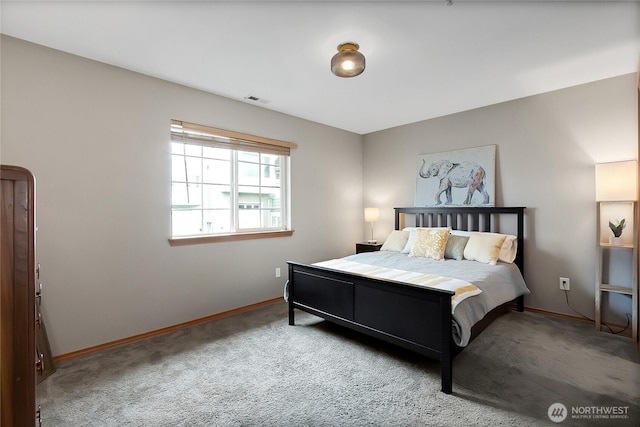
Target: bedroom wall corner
{"type": "Point", "coordinates": [547, 148]}
{"type": "Point", "coordinates": [97, 139]}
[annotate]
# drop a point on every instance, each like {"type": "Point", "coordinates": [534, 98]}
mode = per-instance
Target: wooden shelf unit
{"type": "Point", "coordinates": [629, 211]}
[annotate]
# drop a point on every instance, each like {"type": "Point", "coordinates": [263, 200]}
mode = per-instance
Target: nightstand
{"type": "Point", "coordinates": [367, 247]}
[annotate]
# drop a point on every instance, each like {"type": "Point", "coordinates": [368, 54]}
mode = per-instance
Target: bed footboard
{"type": "Point", "coordinates": [415, 318]}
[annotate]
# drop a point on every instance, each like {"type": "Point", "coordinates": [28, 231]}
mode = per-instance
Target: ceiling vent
{"type": "Point", "coordinates": [254, 98]}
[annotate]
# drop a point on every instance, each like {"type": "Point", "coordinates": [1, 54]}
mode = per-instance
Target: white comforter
{"type": "Point", "coordinates": [499, 283]}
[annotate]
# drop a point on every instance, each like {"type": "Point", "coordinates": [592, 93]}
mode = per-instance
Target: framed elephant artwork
{"type": "Point", "coordinates": [457, 178]}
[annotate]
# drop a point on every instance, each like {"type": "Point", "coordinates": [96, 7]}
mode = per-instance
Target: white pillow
{"type": "Point", "coordinates": [410, 240]}
{"type": "Point", "coordinates": [396, 241]}
{"type": "Point", "coordinates": [430, 243]}
{"type": "Point", "coordinates": [508, 250]}
{"type": "Point", "coordinates": [484, 247]}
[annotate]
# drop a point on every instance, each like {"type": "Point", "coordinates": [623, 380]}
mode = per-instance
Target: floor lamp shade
{"type": "Point", "coordinates": [617, 181]}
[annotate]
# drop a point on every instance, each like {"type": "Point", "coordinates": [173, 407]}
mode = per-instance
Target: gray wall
{"type": "Point", "coordinates": [547, 146]}
{"type": "Point", "coordinates": [97, 139]}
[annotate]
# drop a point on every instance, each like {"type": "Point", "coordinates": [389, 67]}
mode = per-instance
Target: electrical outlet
{"type": "Point", "coordinates": [277, 271]}
{"type": "Point", "coordinates": [565, 284]}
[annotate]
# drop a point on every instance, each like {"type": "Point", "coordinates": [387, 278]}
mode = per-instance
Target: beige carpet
{"type": "Point", "coordinates": [252, 369]}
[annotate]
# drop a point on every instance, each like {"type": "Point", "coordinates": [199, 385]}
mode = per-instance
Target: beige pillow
{"type": "Point", "coordinates": [484, 247]}
{"type": "Point", "coordinates": [430, 243]}
{"type": "Point", "coordinates": [396, 241]}
{"type": "Point", "coordinates": [509, 249]}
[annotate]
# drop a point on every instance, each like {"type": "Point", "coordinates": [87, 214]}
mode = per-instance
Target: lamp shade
{"type": "Point", "coordinates": [348, 62]}
{"type": "Point", "coordinates": [617, 181]}
{"type": "Point", "coordinates": [371, 214]}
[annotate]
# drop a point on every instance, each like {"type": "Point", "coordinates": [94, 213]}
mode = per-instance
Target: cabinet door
{"type": "Point", "coordinates": [17, 298]}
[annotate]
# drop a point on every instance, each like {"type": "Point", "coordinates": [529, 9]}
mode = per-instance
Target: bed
{"type": "Point", "coordinates": [368, 292]}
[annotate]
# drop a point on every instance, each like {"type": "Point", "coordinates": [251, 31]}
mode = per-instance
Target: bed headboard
{"type": "Point", "coordinates": [466, 218]}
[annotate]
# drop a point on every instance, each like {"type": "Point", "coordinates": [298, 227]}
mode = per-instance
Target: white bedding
{"type": "Point", "coordinates": [499, 284]}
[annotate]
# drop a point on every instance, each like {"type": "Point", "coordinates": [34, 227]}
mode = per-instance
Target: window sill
{"type": "Point", "coordinates": [184, 241]}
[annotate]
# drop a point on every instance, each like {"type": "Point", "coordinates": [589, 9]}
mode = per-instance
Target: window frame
{"type": "Point", "coordinates": [208, 136]}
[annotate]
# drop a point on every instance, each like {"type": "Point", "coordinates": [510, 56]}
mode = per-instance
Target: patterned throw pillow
{"type": "Point", "coordinates": [430, 243]}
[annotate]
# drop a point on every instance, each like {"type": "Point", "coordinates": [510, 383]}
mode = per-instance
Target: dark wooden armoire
{"type": "Point", "coordinates": [25, 355]}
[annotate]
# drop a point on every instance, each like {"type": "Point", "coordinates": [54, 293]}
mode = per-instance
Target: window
{"type": "Point", "coordinates": [226, 185]}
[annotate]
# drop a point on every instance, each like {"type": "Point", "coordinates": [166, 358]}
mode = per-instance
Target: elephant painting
{"type": "Point", "coordinates": [464, 174]}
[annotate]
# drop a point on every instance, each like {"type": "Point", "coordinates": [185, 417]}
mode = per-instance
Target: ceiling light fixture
{"type": "Point", "coordinates": [348, 62]}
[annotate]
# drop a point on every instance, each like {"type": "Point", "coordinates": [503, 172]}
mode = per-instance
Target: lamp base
{"type": "Point", "coordinates": [372, 242]}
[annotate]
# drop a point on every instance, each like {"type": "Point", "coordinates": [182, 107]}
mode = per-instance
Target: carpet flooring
{"type": "Point", "coordinates": [253, 369]}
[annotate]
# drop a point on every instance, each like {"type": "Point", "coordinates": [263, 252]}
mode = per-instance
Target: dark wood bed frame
{"type": "Point", "coordinates": [412, 317]}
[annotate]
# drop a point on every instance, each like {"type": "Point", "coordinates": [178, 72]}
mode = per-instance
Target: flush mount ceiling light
{"type": "Point", "coordinates": [348, 62]}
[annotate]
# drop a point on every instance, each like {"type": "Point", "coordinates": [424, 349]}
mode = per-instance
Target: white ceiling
{"type": "Point", "coordinates": [424, 58]}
